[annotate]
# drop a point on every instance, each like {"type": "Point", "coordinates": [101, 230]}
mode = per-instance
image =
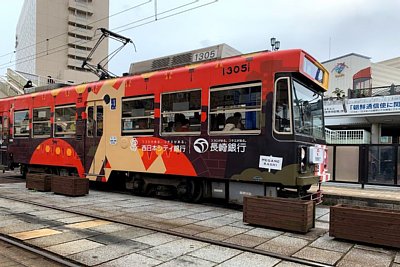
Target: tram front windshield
{"type": "Point", "coordinates": [307, 111]}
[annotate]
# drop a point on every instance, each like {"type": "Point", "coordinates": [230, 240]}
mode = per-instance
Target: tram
{"type": "Point", "coordinates": [249, 124]}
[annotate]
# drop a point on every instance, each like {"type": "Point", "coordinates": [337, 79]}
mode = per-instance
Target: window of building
{"type": "Point", "coordinates": [180, 112]}
{"type": "Point", "coordinates": [64, 121]}
{"type": "Point", "coordinates": [41, 122]}
{"type": "Point", "coordinates": [138, 115]}
{"type": "Point", "coordinates": [21, 123]}
{"type": "Point", "coordinates": [282, 121]}
{"type": "Point", "coordinates": [362, 87]}
{"type": "Point", "coordinates": [362, 83]}
{"type": "Point", "coordinates": [235, 109]}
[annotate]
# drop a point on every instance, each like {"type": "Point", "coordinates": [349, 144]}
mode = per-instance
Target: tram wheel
{"type": "Point", "coordinates": [24, 171]}
{"type": "Point", "coordinates": [138, 187]}
{"type": "Point", "coordinates": [190, 191]}
{"type": "Point", "coordinates": [302, 190]}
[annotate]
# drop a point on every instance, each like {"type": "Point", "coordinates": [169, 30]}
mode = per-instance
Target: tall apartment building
{"type": "Point", "coordinates": [54, 36]}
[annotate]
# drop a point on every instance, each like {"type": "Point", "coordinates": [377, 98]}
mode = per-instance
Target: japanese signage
{"type": "Point", "coordinates": [158, 145]}
{"type": "Point", "coordinates": [228, 146]}
{"type": "Point", "coordinates": [376, 104]}
{"type": "Point", "coordinates": [199, 145]}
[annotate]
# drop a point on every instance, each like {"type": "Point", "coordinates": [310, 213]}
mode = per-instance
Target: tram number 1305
{"type": "Point", "coordinates": [205, 55]}
{"type": "Point", "coordinates": [236, 69]}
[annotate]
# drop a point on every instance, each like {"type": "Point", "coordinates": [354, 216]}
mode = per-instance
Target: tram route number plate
{"type": "Point", "coordinates": [113, 103]}
{"type": "Point", "coordinates": [205, 55]}
{"type": "Point", "coordinates": [270, 162]}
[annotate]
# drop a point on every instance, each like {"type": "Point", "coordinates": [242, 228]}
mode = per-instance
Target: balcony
{"type": "Point", "coordinates": [83, 7]}
{"type": "Point", "coordinates": [365, 102]}
{"type": "Point", "coordinates": [74, 63]}
{"type": "Point", "coordinates": [80, 31]}
{"type": "Point", "coordinates": [80, 42]}
{"type": "Point", "coordinates": [347, 136]}
{"type": "Point", "coordinates": [84, 21]}
{"type": "Point", "coordinates": [77, 52]}
{"type": "Point", "coordinates": [374, 91]}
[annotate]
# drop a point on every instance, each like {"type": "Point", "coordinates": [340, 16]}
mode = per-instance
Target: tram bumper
{"type": "Point", "coordinates": [307, 180]}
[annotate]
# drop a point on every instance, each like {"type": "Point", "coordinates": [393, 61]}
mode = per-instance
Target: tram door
{"type": "Point", "coordinates": [3, 140]}
{"type": "Point", "coordinates": [94, 146]}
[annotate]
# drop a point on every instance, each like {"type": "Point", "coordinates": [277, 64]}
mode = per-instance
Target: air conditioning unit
{"type": "Point", "coordinates": [182, 59]}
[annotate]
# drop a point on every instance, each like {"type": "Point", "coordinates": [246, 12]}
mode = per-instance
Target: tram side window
{"type": "Point", "coordinates": [5, 128]}
{"type": "Point", "coordinates": [235, 109]}
{"type": "Point", "coordinates": [180, 112]}
{"type": "Point", "coordinates": [282, 106]}
{"type": "Point", "coordinates": [138, 116]}
{"type": "Point", "coordinates": [94, 119]}
{"type": "Point", "coordinates": [64, 121]}
{"type": "Point", "coordinates": [41, 122]}
{"type": "Point", "coordinates": [90, 122]}
{"type": "Point", "coordinates": [21, 123]}
{"type": "Point", "coordinates": [99, 120]}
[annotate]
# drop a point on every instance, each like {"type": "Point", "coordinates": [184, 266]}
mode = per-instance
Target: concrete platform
{"type": "Point", "coordinates": [95, 242]}
{"type": "Point", "coordinates": [353, 194]}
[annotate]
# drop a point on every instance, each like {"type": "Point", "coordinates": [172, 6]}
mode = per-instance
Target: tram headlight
{"type": "Point", "coordinates": [303, 159]}
{"type": "Point", "coordinates": [302, 152]}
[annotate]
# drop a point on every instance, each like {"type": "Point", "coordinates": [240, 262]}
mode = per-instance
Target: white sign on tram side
{"type": "Point", "coordinates": [270, 163]}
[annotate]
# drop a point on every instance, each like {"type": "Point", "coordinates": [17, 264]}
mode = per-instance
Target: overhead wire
{"type": "Point", "coordinates": [89, 24]}
{"type": "Point", "coordinates": [181, 12]}
{"type": "Point", "coordinates": [82, 42]}
{"type": "Point", "coordinates": [74, 43]}
{"type": "Point", "coordinates": [155, 16]}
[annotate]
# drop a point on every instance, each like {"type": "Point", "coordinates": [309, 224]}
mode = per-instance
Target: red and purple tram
{"type": "Point", "coordinates": [251, 124]}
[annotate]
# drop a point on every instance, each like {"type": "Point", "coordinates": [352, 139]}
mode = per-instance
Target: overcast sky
{"type": "Point", "coordinates": [325, 29]}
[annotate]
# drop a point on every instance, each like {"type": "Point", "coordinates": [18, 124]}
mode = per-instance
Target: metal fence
{"type": "Point", "coordinates": [374, 91]}
{"type": "Point", "coordinates": [365, 164]}
{"type": "Point", "coordinates": [347, 136]}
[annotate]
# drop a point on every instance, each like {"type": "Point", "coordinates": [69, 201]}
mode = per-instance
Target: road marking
{"type": "Point", "coordinates": [87, 224]}
{"type": "Point", "coordinates": [35, 234]}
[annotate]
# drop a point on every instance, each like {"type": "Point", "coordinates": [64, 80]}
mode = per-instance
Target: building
{"type": "Point", "coordinates": [53, 37]}
{"type": "Point", "coordinates": [355, 71]}
{"type": "Point", "coordinates": [362, 108]}
{"type": "Point", "coordinates": [365, 96]}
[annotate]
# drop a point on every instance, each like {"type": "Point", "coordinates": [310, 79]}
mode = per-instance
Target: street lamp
{"type": "Point", "coordinates": [275, 44]}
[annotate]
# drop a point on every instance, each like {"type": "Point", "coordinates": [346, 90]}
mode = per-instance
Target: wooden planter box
{"type": "Point", "coordinates": [365, 224]}
{"type": "Point", "coordinates": [280, 213]}
{"type": "Point", "coordinates": [38, 181]}
{"type": "Point", "coordinates": [69, 185]}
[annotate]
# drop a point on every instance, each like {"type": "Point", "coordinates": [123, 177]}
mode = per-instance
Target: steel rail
{"type": "Point", "coordinates": [50, 256]}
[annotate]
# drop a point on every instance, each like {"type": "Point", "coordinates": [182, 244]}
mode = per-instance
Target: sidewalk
{"type": "Point", "coordinates": [353, 194]}
{"type": "Point", "coordinates": [112, 240]}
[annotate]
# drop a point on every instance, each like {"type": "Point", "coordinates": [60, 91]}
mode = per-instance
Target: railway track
{"type": "Point", "coordinates": [51, 257]}
{"type": "Point", "coordinates": [157, 229]}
